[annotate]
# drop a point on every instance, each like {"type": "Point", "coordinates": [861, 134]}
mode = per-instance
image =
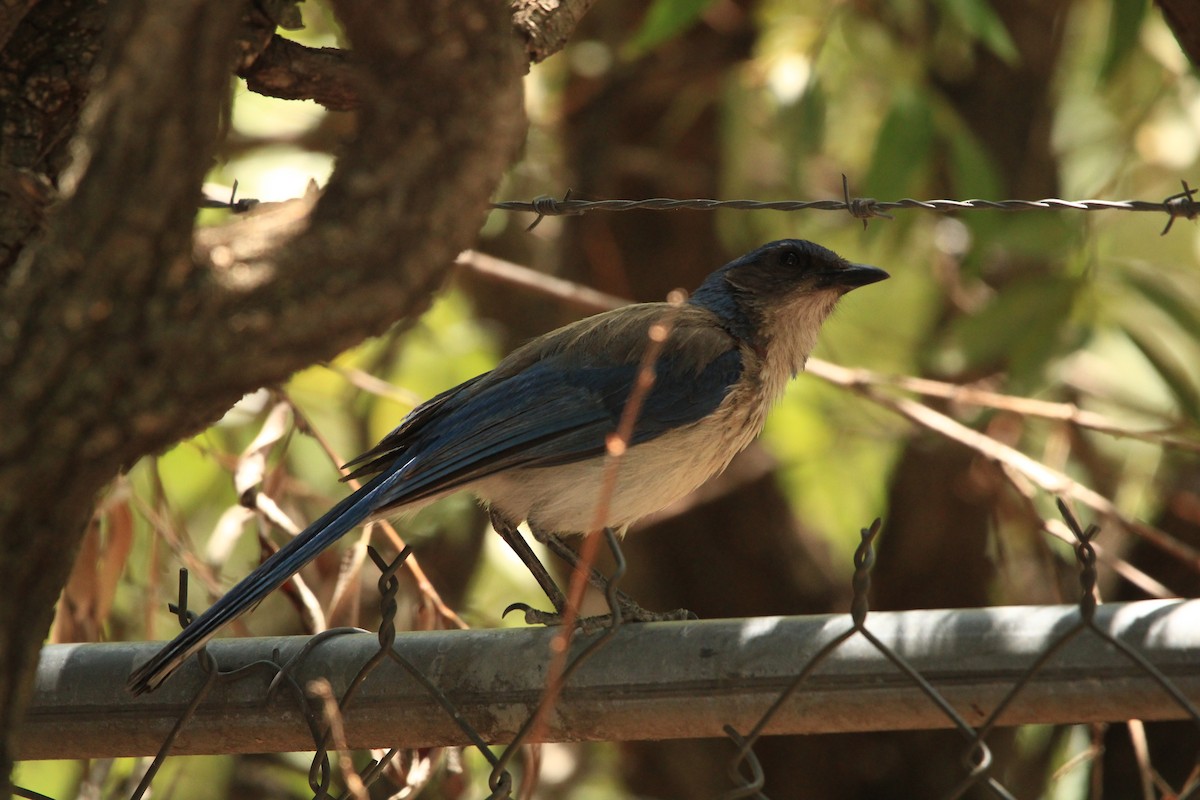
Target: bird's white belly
{"type": "Point", "coordinates": [650, 476]}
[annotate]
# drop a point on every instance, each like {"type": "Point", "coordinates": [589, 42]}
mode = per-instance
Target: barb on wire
{"type": "Point", "coordinates": [861, 207]}
{"type": "Point", "coordinates": [540, 203]}
{"type": "Point", "coordinates": [1183, 204]}
{"type": "Point", "coordinates": [233, 204]}
{"type": "Point", "coordinates": [1178, 205]}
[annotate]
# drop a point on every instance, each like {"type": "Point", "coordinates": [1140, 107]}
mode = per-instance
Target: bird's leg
{"type": "Point", "coordinates": [509, 533]}
{"type": "Point", "coordinates": [533, 616]}
{"type": "Point", "coordinates": [630, 610]}
{"type": "Point", "coordinates": [556, 545]}
{"type": "Point", "coordinates": [628, 607]}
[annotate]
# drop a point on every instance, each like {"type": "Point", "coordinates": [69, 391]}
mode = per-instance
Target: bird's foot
{"type": "Point", "coordinates": [630, 612]}
{"type": "Point", "coordinates": [639, 614]}
{"type": "Point", "coordinates": [536, 616]}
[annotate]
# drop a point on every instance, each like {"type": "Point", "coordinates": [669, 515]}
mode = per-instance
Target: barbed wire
{"type": "Point", "coordinates": [1182, 204]}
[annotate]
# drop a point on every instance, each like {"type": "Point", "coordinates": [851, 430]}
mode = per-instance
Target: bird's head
{"type": "Point", "coordinates": [778, 295]}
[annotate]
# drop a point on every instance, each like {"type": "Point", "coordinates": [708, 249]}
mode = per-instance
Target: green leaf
{"type": "Point", "coordinates": [902, 147]}
{"type": "Point", "coordinates": [802, 129]}
{"type": "Point", "coordinates": [981, 21]}
{"type": "Point", "coordinates": [1173, 373]}
{"type": "Point", "coordinates": [1023, 327]}
{"type": "Point", "coordinates": [974, 173]}
{"type": "Point", "coordinates": [1168, 300]}
{"type": "Point", "coordinates": [664, 20]}
{"type": "Point", "coordinates": [1124, 25]}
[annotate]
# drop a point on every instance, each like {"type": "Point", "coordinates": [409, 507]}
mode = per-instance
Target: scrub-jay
{"type": "Point", "coordinates": [528, 438]}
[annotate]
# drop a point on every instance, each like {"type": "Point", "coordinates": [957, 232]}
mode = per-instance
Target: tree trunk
{"type": "Point", "coordinates": [121, 333]}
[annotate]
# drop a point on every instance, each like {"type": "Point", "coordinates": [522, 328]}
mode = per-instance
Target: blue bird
{"type": "Point", "coordinates": [528, 438]}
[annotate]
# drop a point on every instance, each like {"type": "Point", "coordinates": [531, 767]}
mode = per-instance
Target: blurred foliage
{"type": "Point", "coordinates": [1093, 309]}
{"type": "Point", "coordinates": [664, 20]}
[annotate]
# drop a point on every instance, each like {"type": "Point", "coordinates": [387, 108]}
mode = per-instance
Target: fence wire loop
{"type": "Point", "coordinates": [977, 758]}
{"type": "Point", "coordinates": [1085, 554]}
{"type": "Point", "coordinates": [180, 608]}
{"type": "Point", "coordinates": [212, 674]}
{"type": "Point", "coordinates": [232, 204]}
{"type": "Point", "coordinates": [864, 561]}
{"type": "Point", "coordinates": [744, 786]}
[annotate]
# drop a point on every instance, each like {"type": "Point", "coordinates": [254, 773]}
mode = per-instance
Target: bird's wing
{"type": "Point", "coordinates": [559, 404]}
{"type": "Point", "coordinates": [401, 438]}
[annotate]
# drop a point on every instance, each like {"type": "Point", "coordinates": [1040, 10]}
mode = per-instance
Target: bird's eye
{"type": "Point", "coordinates": [789, 258]}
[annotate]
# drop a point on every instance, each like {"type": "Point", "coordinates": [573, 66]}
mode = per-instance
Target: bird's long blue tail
{"type": "Point", "coordinates": [272, 574]}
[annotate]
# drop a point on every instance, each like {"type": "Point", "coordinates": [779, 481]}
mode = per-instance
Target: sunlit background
{"type": "Point", "coordinates": [766, 100]}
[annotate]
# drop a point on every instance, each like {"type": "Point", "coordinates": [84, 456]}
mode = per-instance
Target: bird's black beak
{"type": "Point", "coordinates": [851, 276]}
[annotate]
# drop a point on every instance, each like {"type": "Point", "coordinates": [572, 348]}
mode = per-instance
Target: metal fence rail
{"type": "Point", "coordinates": [653, 681]}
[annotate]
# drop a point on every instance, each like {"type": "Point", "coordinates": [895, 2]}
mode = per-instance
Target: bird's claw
{"type": "Point", "coordinates": [535, 616]}
{"type": "Point", "coordinates": [525, 608]}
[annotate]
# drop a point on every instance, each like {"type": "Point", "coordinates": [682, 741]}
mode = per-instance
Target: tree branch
{"type": "Point", "coordinates": [121, 335]}
{"type": "Point", "coordinates": [77, 309]}
{"type": "Point", "coordinates": [547, 24]}
{"type": "Point", "coordinates": [11, 14]}
{"type": "Point", "coordinates": [291, 71]}
{"type": "Point", "coordinates": [43, 82]}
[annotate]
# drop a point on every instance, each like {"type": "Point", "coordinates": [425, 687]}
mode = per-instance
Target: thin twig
{"type": "Point", "coordinates": [1049, 480]}
{"type": "Point", "coordinates": [617, 445]}
{"type": "Point", "coordinates": [521, 276]}
{"type": "Point", "coordinates": [321, 689]}
{"type": "Point", "coordinates": [365, 381]}
{"type": "Point", "coordinates": [1024, 406]}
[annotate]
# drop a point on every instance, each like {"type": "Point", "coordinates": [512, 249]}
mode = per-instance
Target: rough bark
{"type": "Point", "coordinates": [547, 24]}
{"type": "Point", "coordinates": [44, 68]}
